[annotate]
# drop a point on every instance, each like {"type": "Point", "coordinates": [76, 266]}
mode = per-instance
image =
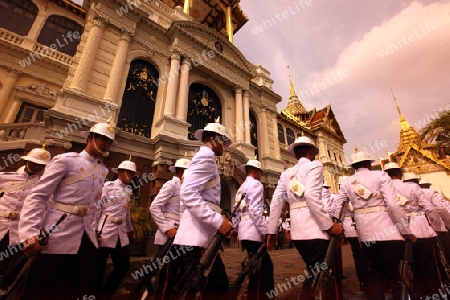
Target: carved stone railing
{"type": "Point", "coordinates": [10, 37]}
{"type": "Point", "coordinates": [21, 131]}
{"type": "Point", "coordinates": [55, 55]}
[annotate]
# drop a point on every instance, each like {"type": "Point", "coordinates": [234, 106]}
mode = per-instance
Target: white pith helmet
{"type": "Point", "coordinates": [38, 155]}
{"type": "Point", "coordinates": [359, 156]}
{"type": "Point", "coordinates": [252, 163]}
{"type": "Point", "coordinates": [216, 128]}
{"type": "Point", "coordinates": [180, 163]}
{"type": "Point", "coordinates": [342, 178]}
{"type": "Point", "coordinates": [424, 182]}
{"type": "Point", "coordinates": [391, 166]}
{"type": "Point", "coordinates": [104, 129]}
{"type": "Point", "coordinates": [303, 140]}
{"type": "Point", "coordinates": [125, 165]}
{"type": "Point", "coordinates": [410, 176]}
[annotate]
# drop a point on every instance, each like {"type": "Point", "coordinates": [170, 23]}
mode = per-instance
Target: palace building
{"type": "Point", "coordinates": [158, 70]}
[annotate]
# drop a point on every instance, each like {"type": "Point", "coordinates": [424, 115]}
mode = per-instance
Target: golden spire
{"type": "Point", "coordinates": [408, 136]}
{"type": "Point", "coordinates": [404, 124]}
{"type": "Point", "coordinates": [187, 6]}
{"type": "Point", "coordinates": [229, 24]}
{"type": "Point", "coordinates": [291, 86]}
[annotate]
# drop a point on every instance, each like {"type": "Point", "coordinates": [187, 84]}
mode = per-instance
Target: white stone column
{"type": "Point", "coordinates": [13, 108]}
{"type": "Point", "coordinates": [276, 143]}
{"type": "Point", "coordinates": [8, 86]}
{"type": "Point", "coordinates": [87, 58]}
{"type": "Point", "coordinates": [264, 132]}
{"type": "Point", "coordinates": [172, 85]}
{"type": "Point", "coordinates": [239, 116]}
{"type": "Point", "coordinates": [247, 117]}
{"type": "Point", "coordinates": [116, 74]}
{"type": "Point", "coordinates": [182, 104]}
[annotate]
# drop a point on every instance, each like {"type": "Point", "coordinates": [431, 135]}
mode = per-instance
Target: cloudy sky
{"type": "Point", "coordinates": [351, 53]}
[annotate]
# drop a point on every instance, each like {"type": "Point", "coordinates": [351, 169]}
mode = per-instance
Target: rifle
{"type": "Point", "coordinates": [406, 272]}
{"type": "Point", "coordinates": [250, 265]}
{"type": "Point", "coordinates": [99, 233]}
{"type": "Point", "coordinates": [144, 287]}
{"type": "Point", "coordinates": [443, 257]}
{"type": "Point", "coordinates": [17, 266]}
{"type": "Point", "coordinates": [196, 277]}
{"type": "Point", "coordinates": [323, 281]}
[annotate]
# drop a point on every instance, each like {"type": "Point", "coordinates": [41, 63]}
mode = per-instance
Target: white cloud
{"type": "Point", "coordinates": [418, 72]}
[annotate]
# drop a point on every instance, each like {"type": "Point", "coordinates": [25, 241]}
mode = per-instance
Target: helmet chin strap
{"type": "Point", "coordinates": [104, 154]}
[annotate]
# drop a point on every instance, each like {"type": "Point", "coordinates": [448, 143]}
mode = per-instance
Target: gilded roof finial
{"type": "Point", "coordinates": [403, 123]}
{"type": "Point", "coordinates": [291, 86]}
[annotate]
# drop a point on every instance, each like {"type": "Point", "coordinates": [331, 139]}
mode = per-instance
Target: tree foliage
{"type": "Point", "coordinates": [437, 132]}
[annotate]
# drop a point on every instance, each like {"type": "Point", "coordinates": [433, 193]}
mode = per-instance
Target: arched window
{"type": "Point", "coordinates": [62, 33]}
{"type": "Point", "coordinates": [290, 135]}
{"type": "Point", "coordinates": [281, 138]}
{"type": "Point", "coordinates": [138, 101]}
{"type": "Point", "coordinates": [254, 132]}
{"type": "Point", "coordinates": [203, 108]}
{"type": "Point", "coordinates": [17, 15]}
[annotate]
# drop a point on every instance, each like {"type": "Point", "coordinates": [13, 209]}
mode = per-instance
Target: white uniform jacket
{"type": "Point", "coordinates": [378, 225]}
{"type": "Point", "coordinates": [115, 204]}
{"type": "Point", "coordinates": [12, 202]}
{"type": "Point", "coordinates": [308, 222]}
{"type": "Point", "coordinates": [416, 208]}
{"type": "Point", "coordinates": [347, 223]}
{"type": "Point", "coordinates": [67, 238]}
{"type": "Point", "coordinates": [199, 223]}
{"type": "Point", "coordinates": [441, 206]}
{"type": "Point", "coordinates": [327, 199]}
{"type": "Point", "coordinates": [165, 209]}
{"type": "Point", "coordinates": [251, 223]}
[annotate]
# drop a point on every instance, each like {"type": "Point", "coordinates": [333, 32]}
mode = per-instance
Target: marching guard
{"type": "Point", "coordinates": [202, 219]}
{"type": "Point", "coordinates": [67, 267]}
{"type": "Point", "coordinates": [252, 228]}
{"type": "Point", "coordinates": [358, 252]}
{"type": "Point", "coordinates": [113, 227]}
{"type": "Point", "coordinates": [14, 187]}
{"type": "Point", "coordinates": [165, 210]}
{"type": "Point", "coordinates": [311, 225]}
{"type": "Point", "coordinates": [377, 214]}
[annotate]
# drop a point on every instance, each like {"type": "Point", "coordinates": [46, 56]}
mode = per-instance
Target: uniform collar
{"type": "Point", "coordinates": [176, 179]}
{"type": "Point", "coordinates": [89, 157]}
{"type": "Point", "coordinates": [303, 160]}
{"type": "Point", "coordinates": [207, 149]}
{"type": "Point", "coordinates": [362, 170]}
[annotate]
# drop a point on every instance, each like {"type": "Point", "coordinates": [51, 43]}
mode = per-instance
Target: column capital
{"type": "Point", "coordinates": [175, 55]}
{"type": "Point", "coordinates": [246, 93]}
{"type": "Point", "coordinates": [185, 60]}
{"type": "Point", "coordinates": [13, 72]}
{"type": "Point", "coordinates": [238, 90]}
{"type": "Point", "coordinates": [100, 21]}
{"type": "Point", "coordinates": [126, 34]}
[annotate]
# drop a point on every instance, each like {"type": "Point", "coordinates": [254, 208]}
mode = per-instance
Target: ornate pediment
{"type": "Point", "coordinates": [415, 161]}
{"type": "Point", "coordinates": [209, 39]}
